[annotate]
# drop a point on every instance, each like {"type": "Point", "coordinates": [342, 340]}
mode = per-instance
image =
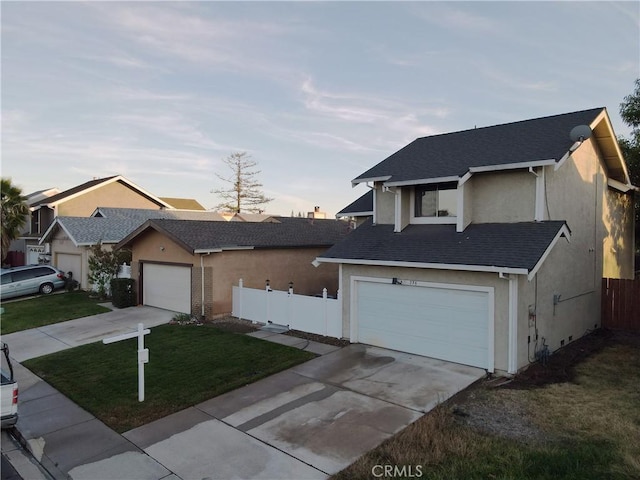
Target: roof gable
{"type": "Point", "coordinates": [78, 190]}
{"type": "Point", "coordinates": [87, 231]}
{"type": "Point", "coordinates": [451, 155]}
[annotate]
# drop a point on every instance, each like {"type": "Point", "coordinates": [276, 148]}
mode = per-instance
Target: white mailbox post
{"type": "Point", "coordinates": [143, 354]}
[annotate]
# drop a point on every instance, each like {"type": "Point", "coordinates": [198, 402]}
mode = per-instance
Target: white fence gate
{"type": "Point", "coordinates": [320, 315]}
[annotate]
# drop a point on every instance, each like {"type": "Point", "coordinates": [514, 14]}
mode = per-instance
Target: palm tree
{"type": "Point", "coordinates": [14, 214]}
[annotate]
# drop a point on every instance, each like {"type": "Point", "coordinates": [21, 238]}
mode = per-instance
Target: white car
{"type": "Point", "coordinates": [8, 392]}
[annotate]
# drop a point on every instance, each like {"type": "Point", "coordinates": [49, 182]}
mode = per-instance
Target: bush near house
{"type": "Point", "coordinates": [123, 292]}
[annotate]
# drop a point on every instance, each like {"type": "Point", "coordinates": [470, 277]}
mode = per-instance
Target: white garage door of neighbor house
{"type": "Point", "coordinates": [441, 322]}
{"type": "Point", "coordinates": [167, 286]}
{"type": "Point", "coordinates": [69, 262]}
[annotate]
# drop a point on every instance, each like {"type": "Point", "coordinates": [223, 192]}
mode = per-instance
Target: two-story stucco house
{"type": "Point", "coordinates": [79, 201]}
{"type": "Point", "coordinates": [487, 247]}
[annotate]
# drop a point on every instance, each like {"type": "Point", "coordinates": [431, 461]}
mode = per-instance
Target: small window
{"type": "Point", "coordinates": [437, 200]}
{"type": "Point", "coordinates": [6, 278]}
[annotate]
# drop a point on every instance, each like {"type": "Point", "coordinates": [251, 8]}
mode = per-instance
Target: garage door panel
{"type": "Point", "coordinates": [70, 262]}
{"type": "Point", "coordinates": [167, 286]}
{"type": "Point", "coordinates": [446, 323]}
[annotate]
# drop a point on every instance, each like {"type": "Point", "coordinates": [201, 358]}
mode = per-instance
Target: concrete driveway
{"type": "Point", "coordinates": [307, 422]}
{"type": "Point", "coordinates": [60, 336]}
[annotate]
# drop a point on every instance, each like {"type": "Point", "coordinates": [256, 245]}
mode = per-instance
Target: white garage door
{"type": "Point", "coordinates": [167, 286]}
{"type": "Point", "coordinates": [69, 262]}
{"type": "Point", "coordinates": [445, 322]}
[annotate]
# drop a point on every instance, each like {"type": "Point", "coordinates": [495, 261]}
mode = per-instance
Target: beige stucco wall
{"type": "Point", "coordinates": [385, 205]}
{"type": "Point", "coordinates": [500, 286]}
{"type": "Point", "coordinates": [576, 314]}
{"type": "Point", "coordinates": [573, 270]}
{"type": "Point", "coordinates": [223, 270]}
{"type": "Point", "coordinates": [113, 194]}
{"type": "Point", "coordinates": [467, 203]}
{"type": "Point", "coordinates": [405, 207]}
{"type": "Point", "coordinates": [507, 196]}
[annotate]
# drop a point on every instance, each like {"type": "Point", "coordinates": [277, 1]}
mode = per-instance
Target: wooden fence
{"type": "Point", "coordinates": [621, 304]}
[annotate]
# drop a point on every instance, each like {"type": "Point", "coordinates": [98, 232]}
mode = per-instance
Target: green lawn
{"type": "Point", "coordinates": [187, 365]}
{"type": "Point", "coordinates": [586, 428]}
{"type": "Point", "coordinates": [45, 310]}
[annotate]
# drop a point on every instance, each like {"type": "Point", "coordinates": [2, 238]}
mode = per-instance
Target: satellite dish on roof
{"type": "Point", "coordinates": [580, 133]}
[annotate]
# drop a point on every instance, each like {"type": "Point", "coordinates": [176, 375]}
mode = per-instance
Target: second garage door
{"type": "Point", "coordinates": [445, 322]}
{"type": "Point", "coordinates": [167, 286]}
{"type": "Point", "coordinates": [69, 262]}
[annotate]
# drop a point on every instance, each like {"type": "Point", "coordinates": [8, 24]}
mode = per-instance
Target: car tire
{"type": "Point", "coordinates": [46, 288]}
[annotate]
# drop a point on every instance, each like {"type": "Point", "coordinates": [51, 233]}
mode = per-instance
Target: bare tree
{"type": "Point", "coordinates": [244, 193]}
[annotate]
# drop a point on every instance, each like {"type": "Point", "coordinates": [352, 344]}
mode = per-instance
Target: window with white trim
{"type": "Point", "coordinates": [436, 200]}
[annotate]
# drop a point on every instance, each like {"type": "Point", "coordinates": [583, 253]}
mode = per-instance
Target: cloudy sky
{"type": "Point", "coordinates": [317, 93]}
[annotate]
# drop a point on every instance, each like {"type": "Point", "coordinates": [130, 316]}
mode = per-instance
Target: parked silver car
{"type": "Point", "coordinates": [30, 279]}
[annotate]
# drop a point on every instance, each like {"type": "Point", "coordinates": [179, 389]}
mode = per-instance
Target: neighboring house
{"type": "Point", "coordinates": [25, 249]}
{"type": "Point", "coordinates": [316, 213]}
{"type": "Point", "coordinates": [360, 210]}
{"type": "Point", "coordinates": [70, 238]}
{"type": "Point", "coordinates": [81, 201]}
{"type": "Point", "coordinates": [183, 203]}
{"type": "Point", "coordinates": [487, 247]}
{"type": "Point", "coordinates": [177, 264]}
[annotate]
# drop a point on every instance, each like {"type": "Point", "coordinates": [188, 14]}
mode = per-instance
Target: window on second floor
{"type": "Point", "coordinates": [436, 200]}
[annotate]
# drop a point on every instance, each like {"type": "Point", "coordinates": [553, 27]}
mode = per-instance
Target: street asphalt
{"type": "Point", "coordinates": [307, 422]}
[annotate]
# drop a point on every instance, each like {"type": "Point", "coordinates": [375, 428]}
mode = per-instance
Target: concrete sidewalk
{"type": "Point", "coordinates": [307, 422]}
{"type": "Point", "coordinates": [52, 338]}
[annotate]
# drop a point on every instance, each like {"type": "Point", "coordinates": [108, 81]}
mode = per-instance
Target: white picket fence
{"type": "Point", "coordinates": [320, 315]}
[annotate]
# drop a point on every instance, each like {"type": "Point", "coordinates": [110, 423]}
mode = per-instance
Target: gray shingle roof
{"type": "Point", "coordinates": [452, 154]}
{"type": "Point", "coordinates": [509, 245]}
{"type": "Point", "coordinates": [287, 233]}
{"type": "Point", "coordinates": [142, 214]}
{"type": "Point", "coordinates": [92, 230]}
{"type": "Point", "coordinates": [364, 204]}
{"type": "Point", "coordinates": [117, 223]}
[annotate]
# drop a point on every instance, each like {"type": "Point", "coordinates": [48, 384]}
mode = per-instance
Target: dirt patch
{"type": "Point", "coordinates": [500, 406]}
{"type": "Point", "coordinates": [560, 367]}
{"type": "Point", "coordinates": [318, 338]}
{"type": "Point", "coordinates": [233, 324]}
{"type": "Point", "coordinates": [505, 414]}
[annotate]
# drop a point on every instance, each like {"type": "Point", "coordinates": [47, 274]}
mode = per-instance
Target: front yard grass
{"type": "Point", "coordinates": [45, 310]}
{"type": "Point", "coordinates": [187, 365]}
{"type": "Point", "coordinates": [585, 426]}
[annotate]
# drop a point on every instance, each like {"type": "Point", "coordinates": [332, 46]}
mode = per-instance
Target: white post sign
{"type": "Point", "coordinates": [143, 354]}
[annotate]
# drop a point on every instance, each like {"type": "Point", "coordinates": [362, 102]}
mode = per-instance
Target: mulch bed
{"type": "Point", "coordinates": [318, 338]}
{"type": "Point", "coordinates": [235, 325]}
{"type": "Point", "coordinates": [559, 367]}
